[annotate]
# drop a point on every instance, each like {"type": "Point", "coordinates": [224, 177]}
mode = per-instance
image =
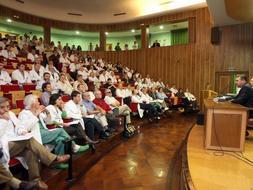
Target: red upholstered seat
{"type": "Point", "coordinates": [6, 88]}
{"type": "Point", "coordinates": [29, 87]}
{"type": "Point", "coordinates": [9, 67]}
{"type": "Point", "coordinates": [14, 82]}
{"type": "Point", "coordinates": [133, 107]}
{"type": "Point", "coordinates": [20, 104]}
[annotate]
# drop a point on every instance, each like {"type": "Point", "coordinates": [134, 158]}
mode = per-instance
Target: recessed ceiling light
{"type": "Point", "coordinates": [133, 30]}
{"type": "Point", "coordinates": [161, 27]}
{"type": "Point", "coordinates": [77, 32]}
{"type": "Point", "coordinates": [8, 20]}
{"type": "Point", "coordinates": [106, 33]}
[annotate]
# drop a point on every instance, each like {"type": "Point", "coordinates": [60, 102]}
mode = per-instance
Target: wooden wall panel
{"type": "Point", "coordinates": [193, 65]}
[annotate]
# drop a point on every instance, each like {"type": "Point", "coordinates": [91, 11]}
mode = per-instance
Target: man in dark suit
{"type": "Point", "coordinates": [245, 95]}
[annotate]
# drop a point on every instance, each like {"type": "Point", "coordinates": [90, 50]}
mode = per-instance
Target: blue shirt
{"type": "Point", "coordinates": [89, 105]}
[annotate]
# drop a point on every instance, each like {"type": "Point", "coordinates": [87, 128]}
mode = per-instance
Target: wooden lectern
{"type": "Point", "coordinates": [206, 94]}
{"type": "Point", "coordinates": [225, 125]}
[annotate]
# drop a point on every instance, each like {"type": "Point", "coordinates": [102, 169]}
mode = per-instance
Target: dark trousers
{"type": "Point", "coordinates": [151, 110]}
{"type": "Point", "coordinates": [76, 130]}
{"type": "Point", "coordinates": [91, 124]}
{"type": "Point", "coordinates": [112, 120]}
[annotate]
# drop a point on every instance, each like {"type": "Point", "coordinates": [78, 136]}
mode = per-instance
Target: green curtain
{"type": "Point", "coordinates": [179, 36]}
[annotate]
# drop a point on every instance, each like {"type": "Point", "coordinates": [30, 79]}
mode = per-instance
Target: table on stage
{"type": "Point", "coordinates": [225, 125]}
{"type": "Point", "coordinates": [217, 172]}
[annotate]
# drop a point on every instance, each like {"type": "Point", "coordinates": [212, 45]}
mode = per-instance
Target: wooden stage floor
{"type": "Point", "coordinates": [142, 162]}
{"type": "Point", "coordinates": [212, 170]}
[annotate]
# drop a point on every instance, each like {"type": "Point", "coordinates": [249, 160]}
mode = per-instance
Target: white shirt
{"type": "Point", "coordinates": [34, 76]}
{"type": "Point", "coordinates": [54, 76]}
{"type": "Point", "coordinates": [31, 123]}
{"type": "Point", "coordinates": [146, 98]}
{"type": "Point", "coordinates": [4, 77]}
{"type": "Point", "coordinates": [2, 45]}
{"type": "Point", "coordinates": [128, 92]}
{"type": "Point", "coordinates": [173, 90]}
{"type": "Point", "coordinates": [102, 78]}
{"type": "Point", "coordinates": [40, 48]}
{"type": "Point", "coordinates": [73, 67]}
{"type": "Point", "coordinates": [9, 131]}
{"type": "Point", "coordinates": [190, 96]}
{"type": "Point", "coordinates": [31, 57]}
{"type": "Point", "coordinates": [8, 54]}
{"type": "Point", "coordinates": [65, 61]}
{"type": "Point", "coordinates": [55, 114]}
{"type": "Point", "coordinates": [121, 93]}
{"type": "Point", "coordinates": [17, 75]}
{"type": "Point", "coordinates": [136, 99]}
{"type": "Point", "coordinates": [83, 73]}
{"type": "Point", "coordinates": [110, 101]}
{"type": "Point", "coordinates": [93, 79]}
{"type": "Point", "coordinates": [74, 111]}
{"type": "Point", "coordinates": [65, 87]}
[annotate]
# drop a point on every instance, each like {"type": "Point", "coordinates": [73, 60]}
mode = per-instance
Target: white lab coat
{"type": "Point", "coordinates": [4, 77]}
{"type": "Point", "coordinates": [11, 131]}
{"type": "Point", "coordinates": [74, 111]}
{"type": "Point", "coordinates": [138, 99]}
{"type": "Point", "coordinates": [8, 54]}
{"type": "Point", "coordinates": [121, 93]}
{"type": "Point", "coordinates": [31, 57]}
{"type": "Point", "coordinates": [31, 123]}
{"type": "Point", "coordinates": [34, 76]}
{"type": "Point", "coordinates": [17, 75]}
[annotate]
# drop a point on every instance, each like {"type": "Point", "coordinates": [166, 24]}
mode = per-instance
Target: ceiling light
{"type": "Point", "coordinates": [142, 24]}
{"type": "Point", "coordinates": [77, 32]}
{"type": "Point", "coordinates": [16, 16]}
{"type": "Point", "coordinates": [161, 27]}
{"type": "Point", "coordinates": [106, 33]}
{"type": "Point", "coordinates": [8, 20]}
{"type": "Point", "coordinates": [133, 30]}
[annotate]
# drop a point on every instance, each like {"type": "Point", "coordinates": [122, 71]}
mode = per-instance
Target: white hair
{"type": "Point", "coordinates": [29, 100]}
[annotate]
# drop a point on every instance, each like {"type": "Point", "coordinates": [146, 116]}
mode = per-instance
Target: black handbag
{"type": "Point", "coordinates": [129, 131]}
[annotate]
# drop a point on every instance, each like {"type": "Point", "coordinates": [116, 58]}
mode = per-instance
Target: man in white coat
{"type": "Point", "coordinates": [4, 75]}
{"type": "Point", "coordinates": [36, 74]}
{"type": "Point", "coordinates": [21, 75]}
